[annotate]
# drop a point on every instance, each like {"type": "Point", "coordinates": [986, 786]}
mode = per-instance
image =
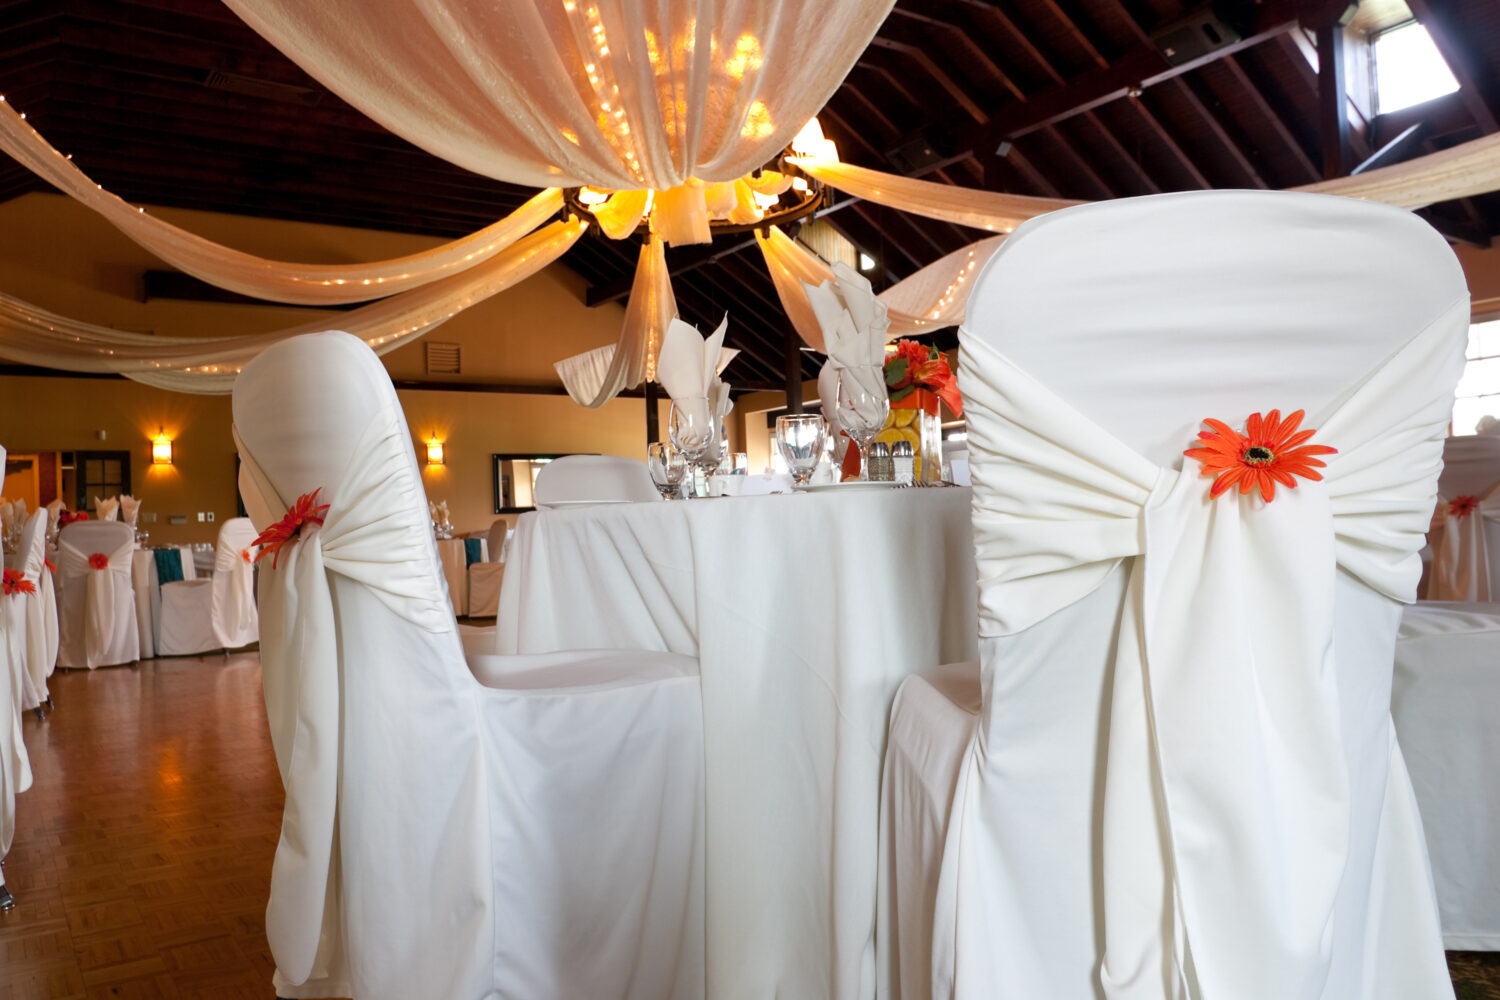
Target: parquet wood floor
{"type": "Point", "coordinates": [142, 858]}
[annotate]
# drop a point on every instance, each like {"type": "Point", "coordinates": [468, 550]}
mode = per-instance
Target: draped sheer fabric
{"type": "Point", "coordinates": [398, 765]}
{"type": "Point", "coordinates": [1182, 780]}
{"type": "Point", "coordinates": [607, 93]}
{"type": "Point", "coordinates": [248, 274]}
{"type": "Point", "coordinates": [595, 377]}
{"type": "Point", "coordinates": [32, 335]}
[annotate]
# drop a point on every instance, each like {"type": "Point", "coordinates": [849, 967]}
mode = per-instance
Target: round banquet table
{"type": "Point", "coordinates": [806, 612]}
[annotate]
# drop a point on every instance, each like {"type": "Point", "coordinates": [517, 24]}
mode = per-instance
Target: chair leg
{"type": "Point", "coordinates": [40, 715]}
{"type": "Point", "coordinates": [50, 706]}
{"type": "Point", "coordinates": [7, 901]}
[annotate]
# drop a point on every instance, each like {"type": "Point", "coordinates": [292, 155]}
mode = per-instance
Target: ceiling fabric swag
{"type": "Point", "coordinates": [1467, 169]}
{"type": "Point", "coordinates": [275, 280]}
{"type": "Point", "coordinates": [31, 335]}
{"type": "Point", "coordinates": [616, 94]}
{"type": "Point", "coordinates": [595, 377]}
{"type": "Point", "coordinates": [929, 300]}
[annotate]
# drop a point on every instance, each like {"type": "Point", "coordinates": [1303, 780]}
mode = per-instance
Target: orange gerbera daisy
{"type": "Point", "coordinates": [16, 583]}
{"type": "Point", "coordinates": [306, 510]}
{"type": "Point", "coordinates": [1463, 506]}
{"type": "Point", "coordinates": [1270, 451]}
{"type": "Point", "coordinates": [99, 560]}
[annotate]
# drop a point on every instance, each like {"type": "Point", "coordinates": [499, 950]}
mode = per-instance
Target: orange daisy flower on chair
{"type": "Point", "coordinates": [1271, 451]}
{"type": "Point", "coordinates": [1463, 506]}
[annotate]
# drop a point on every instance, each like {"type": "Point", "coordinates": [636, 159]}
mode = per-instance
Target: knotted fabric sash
{"type": "Point", "coordinates": [376, 532]}
{"type": "Point", "coordinates": [1460, 559]}
{"type": "Point", "coordinates": [100, 590]}
{"type": "Point", "coordinates": [1227, 629]}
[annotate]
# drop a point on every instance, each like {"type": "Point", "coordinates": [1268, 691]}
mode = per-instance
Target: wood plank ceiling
{"type": "Point", "coordinates": [178, 103]}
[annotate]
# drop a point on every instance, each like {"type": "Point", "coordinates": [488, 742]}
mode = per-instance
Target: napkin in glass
{"type": "Point", "coordinates": [855, 325]}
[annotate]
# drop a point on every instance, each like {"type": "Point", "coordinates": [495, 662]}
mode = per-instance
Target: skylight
{"type": "Point", "coordinates": [1409, 69]}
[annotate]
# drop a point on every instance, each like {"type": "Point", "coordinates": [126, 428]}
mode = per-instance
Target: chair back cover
{"type": "Point", "coordinates": [499, 532]}
{"type": "Point", "coordinates": [39, 609]}
{"type": "Point", "coordinates": [235, 622]}
{"type": "Point", "coordinates": [15, 765]}
{"type": "Point", "coordinates": [96, 607]}
{"type": "Point", "coordinates": [1465, 534]}
{"type": "Point", "coordinates": [594, 477]}
{"type": "Point", "coordinates": [354, 697]}
{"type": "Point", "coordinates": [1185, 783]}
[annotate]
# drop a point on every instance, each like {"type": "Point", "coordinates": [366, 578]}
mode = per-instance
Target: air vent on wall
{"type": "Point", "coordinates": [443, 359]}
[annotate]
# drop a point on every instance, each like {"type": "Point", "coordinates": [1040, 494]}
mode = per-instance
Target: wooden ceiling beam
{"type": "Point", "coordinates": [680, 260]}
{"type": "Point", "coordinates": [1272, 118]}
{"type": "Point", "coordinates": [1138, 105]}
{"type": "Point", "coordinates": [1333, 101]}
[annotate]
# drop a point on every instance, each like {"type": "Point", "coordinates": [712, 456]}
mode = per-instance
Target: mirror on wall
{"type": "Point", "coordinates": [514, 478]}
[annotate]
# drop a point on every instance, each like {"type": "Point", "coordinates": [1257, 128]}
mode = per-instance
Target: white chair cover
{"type": "Point", "coordinates": [485, 577]}
{"type": "Point", "coordinates": [500, 532]}
{"type": "Point", "coordinates": [147, 585]}
{"type": "Point", "coordinates": [39, 609]}
{"type": "Point", "coordinates": [1183, 781]}
{"type": "Point", "coordinates": [96, 610]}
{"type": "Point", "coordinates": [186, 627]}
{"type": "Point", "coordinates": [235, 622]}
{"type": "Point", "coordinates": [15, 765]}
{"type": "Point", "coordinates": [574, 478]}
{"type": "Point", "coordinates": [1443, 702]}
{"type": "Point", "coordinates": [1465, 544]}
{"type": "Point", "coordinates": [107, 510]}
{"type": "Point", "coordinates": [442, 838]}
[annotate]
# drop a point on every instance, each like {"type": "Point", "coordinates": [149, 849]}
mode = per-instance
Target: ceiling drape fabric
{"type": "Point", "coordinates": [278, 281]}
{"type": "Point", "coordinates": [595, 377]}
{"type": "Point", "coordinates": [1467, 169]}
{"type": "Point", "coordinates": [929, 300]}
{"type": "Point", "coordinates": [31, 335]}
{"type": "Point", "coordinates": [617, 94]}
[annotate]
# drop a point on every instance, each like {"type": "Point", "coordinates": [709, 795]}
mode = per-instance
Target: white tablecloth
{"type": "Point", "coordinates": [1443, 700]}
{"type": "Point", "coordinates": [805, 612]}
{"type": "Point", "coordinates": [144, 581]}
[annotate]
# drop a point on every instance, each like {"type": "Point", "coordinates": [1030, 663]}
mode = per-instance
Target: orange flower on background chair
{"type": "Point", "coordinates": [1463, 506]}
{"type": "Point", "coordinates": [99, 561]}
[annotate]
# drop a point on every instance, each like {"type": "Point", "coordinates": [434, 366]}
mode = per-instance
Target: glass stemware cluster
{"type": "Point", "coordinates": [863, 405]}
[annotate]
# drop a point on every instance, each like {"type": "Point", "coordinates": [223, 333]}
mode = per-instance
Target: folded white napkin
{"type": "Point", "coordinates": [107, 510]}
{"type": "Point", "coordinates": [687, 363]}
{"type": "Point", "coordinates": [130, 507]}
{"type": "Point", "coordinates": [855, 325]}
{"type": "Point", "coordinates": [54, 512]}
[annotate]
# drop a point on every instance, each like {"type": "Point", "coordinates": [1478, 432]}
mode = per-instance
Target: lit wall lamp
{"type": "Point", "coordinates": [161, 450]}
{"type": "Point", "coordinates": [434, 452]}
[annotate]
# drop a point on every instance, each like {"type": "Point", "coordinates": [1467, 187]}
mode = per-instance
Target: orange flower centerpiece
{"type": "Point", "coordinates": [1271, 451]}
{"type": "Point", "coordinates": [306, 510]}
{"type": "Point", "coordinates": [16, 583]}
{"type": "Point", "coordinates": [1463, 506]}
{"type": "Point", "coordinates": [917, 377]}
{"type": "Point", "coordinates": [99, 561]}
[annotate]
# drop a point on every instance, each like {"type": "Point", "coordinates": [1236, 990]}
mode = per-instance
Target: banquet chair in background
{"type": "Point", "coordinates": [1443, 701]}
{"type": "Point", "coordinates": [1172, 772]}
{"type": "Point", "coordinates": [485, 577]}
{"type": "Point", "coordinates": [215, 611]}
{"type": "Point", "coordinates": [1465, 535]}
{"type": "Point", "coordinates": [38, 611]}
{"type": "Point", "coordinates": [96, 604]}
{"type": "Point", "coordinates": [594, 479]}
{"type": "Point", "coordinates": [235, 622]}
{"type": "Point", "coordinates": [531, 826]}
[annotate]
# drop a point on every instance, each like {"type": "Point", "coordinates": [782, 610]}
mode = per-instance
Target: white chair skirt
{"type": "Point", "coordinates": [187, 626]}
{"type": "Point", "coordinates": [536, 835]}
{"type": "Point", "coordinates": [997, 839]}
{"type": "Point", "coordinates": [484, 589]}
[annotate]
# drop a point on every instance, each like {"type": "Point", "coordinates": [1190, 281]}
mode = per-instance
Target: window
{"type": "Point", "coordinates": [1479, 389]}
{"type": "Point", "coordinates": [1408, 68]}
{"type": "Point", "coordinates": [101, 474]}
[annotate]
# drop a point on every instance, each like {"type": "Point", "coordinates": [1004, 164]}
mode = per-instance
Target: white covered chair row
{"type": "Point", "coordinates": [96, 599]}
{"type": "Point", "coordinates": [30, 617]}
{"type": "Point", "coordinates": [15, 765]}
{"type": "Point", "coordinates": [530, 827]}
{"type": "Point", "coordinates": [1173, 772]}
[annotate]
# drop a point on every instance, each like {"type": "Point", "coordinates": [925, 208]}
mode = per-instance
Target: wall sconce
{"type": "Point", "coordinates": [161, 450]}
{"type": "Point", "coordinates": [434, 452]}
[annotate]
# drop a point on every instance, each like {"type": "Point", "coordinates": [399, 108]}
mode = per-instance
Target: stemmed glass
{"type": "Point", "coordinates": [863, 407]}
{"type": "Point", "coordinates": [667, 467]}
{"type": "Point", "coordinates": [692, 431]}
{"type": "Point", "coordinates": [800, 438]}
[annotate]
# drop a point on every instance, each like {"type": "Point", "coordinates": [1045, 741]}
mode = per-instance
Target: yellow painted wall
{"type": "Point", "coordinates": [58, 255]}
{"type": "Point", "coordinates": [1482, 268]}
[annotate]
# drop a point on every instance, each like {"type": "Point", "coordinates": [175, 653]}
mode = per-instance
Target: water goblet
{"type": "Point", "coordinates": [863, 406]}
{"type": "Point", "coordinates": [667, 467]}
{"type": "Point", "coordinates": [800, 438]}
{"type": "Point", "coordinates": [691, 431]}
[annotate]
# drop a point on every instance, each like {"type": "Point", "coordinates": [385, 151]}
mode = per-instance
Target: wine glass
{"type": "Point", "coordinates": [691, 431]}
{"type": "Point", "coordinates": [863, 405]}
{"type": "Point", "coordinates": [667, 468]}
{"type": "Point", "coordinates": [800, 438]}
